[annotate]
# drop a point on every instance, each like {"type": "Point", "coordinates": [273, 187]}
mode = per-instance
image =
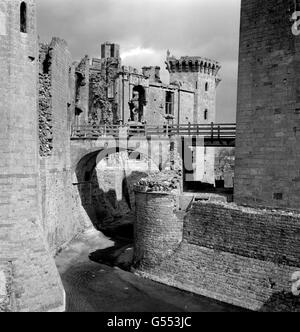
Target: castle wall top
{"type": "Point", "coordinates": [193, 64]}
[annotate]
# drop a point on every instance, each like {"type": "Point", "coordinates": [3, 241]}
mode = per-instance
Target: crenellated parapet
{"type": "Point", "coordinates": [193, 64]}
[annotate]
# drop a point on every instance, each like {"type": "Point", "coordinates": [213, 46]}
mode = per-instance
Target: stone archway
{"type": "Point", "coordinates": [105, 180]}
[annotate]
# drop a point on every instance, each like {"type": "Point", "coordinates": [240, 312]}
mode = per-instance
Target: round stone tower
{"type": "Point", "coordinates": [158, 228]}
{"type": "Point", "coordinates": [36, 284]}
{"type": "Point", "coordinates": [201, 75]}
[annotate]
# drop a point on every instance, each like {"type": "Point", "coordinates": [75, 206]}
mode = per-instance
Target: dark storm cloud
{"type": "Point", "coordinates": [145, 29]}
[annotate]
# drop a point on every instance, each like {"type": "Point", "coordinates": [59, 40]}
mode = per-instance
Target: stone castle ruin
{"type": "Point", "coordinates": [244, 253]}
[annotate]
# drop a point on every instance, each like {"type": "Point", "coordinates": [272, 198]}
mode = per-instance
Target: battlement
{"type": "Point", "coordinates": [193, 64]}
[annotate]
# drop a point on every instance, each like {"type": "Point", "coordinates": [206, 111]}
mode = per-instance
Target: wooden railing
{"type": "Point", "coordinates": [212, 131]}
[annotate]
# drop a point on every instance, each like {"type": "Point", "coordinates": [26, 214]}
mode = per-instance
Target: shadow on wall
{"type": "Point", "coordinates": [110, 201]}
{"type": "Point", "coordinates": [282, 302]}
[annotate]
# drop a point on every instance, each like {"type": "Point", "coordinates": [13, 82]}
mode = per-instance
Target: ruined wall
{"type": "Point", "coordinates": [267, 144]}
{"type": "Point", "coordinates": [156, 106]}
{"type": "Point", "coordinates": [82, 97]}
{"type": "Point", "coordinates": [103, 97]}
{"type": "Point", "coordinates": [237, 255]}
{"type": "Point", "coordinates": [95, 79]}
{"type": "Point", "coordinates": [62, 218]}
{"type": "Point", "coordinates": [36, 284]}
{"type": "Point", "coordinates": [45, 107]}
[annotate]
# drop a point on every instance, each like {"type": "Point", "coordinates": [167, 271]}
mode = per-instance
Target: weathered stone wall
{"type": "Point", "coordinates": [45, 107]}
{"type": "Point", "coordinates": [61, 213]}
{"type": "Point", "coordinates": [242, 256]}
{"type": "Point", "coordinates": [156, 107]}
{"type": "Point", "coordinates": [207, 97]}
{"type": "Point", "coordinates": [186, 105]}
{"type": "Point", "coordinates": [268, 120]}
{"type": "Point", "coordinates": [105, 91]}
{"type": "Point", "coordinates": [6, 292]}
{"type": "Point", "coordinates": [36, 284]}
{"type": "Point", "coordinates": [82, 86]}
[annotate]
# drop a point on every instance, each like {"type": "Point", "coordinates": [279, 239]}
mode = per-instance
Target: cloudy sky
{"type": "Point", "coordinates": [146, 29]}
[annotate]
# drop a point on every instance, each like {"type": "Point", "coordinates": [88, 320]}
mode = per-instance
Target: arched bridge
{"type": "Point", "coordinates": [214, 135]}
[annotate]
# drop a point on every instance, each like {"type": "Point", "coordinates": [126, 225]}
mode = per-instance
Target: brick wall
{"type": "Point", "coordinates": [259, 234]}
{"type": "Point", "coordinates": [241, 256]}
{"type": "Point", "coordinates": [268, 118]}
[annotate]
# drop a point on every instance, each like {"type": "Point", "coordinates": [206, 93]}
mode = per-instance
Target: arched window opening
{"type": "Point", "coordinates": [206, 115]}
{"type": "Point", "coordinates": [206, 86]}
{"type": "Point", "coordinates": [23, 17]}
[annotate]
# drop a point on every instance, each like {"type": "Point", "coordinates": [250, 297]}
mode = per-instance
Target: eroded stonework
{"type": "Point", "coordinates": [45, 107]}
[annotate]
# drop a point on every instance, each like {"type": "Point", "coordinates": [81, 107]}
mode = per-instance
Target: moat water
{"type": "Point", "coordinates": [103, 287]}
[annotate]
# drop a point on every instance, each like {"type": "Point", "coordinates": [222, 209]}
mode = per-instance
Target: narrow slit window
{"type": "Point", "coordinates": [206, 115]}
{"type": "Point", "coordinates": [23, 17]}
{"type": "Point", "coordinates": [206, 86]}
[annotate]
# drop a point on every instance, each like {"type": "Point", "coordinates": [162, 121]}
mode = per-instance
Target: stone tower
{"type": "Point", "coordinates": [201, 75]}
{"type": "Point", "coordinates": [110, 50]}
{"type": "Point", "coordinates": [268, 119]}
{"type": "Point", "coordinates": [35, 283]}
